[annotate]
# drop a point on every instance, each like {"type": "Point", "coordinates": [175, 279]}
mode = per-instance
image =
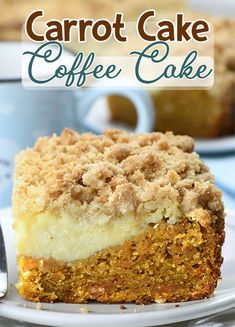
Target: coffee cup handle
{"type": "Point", "coordinates": [141, 100]}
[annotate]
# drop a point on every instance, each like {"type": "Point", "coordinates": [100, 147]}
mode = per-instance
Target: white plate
{"type": "Point", "coordinates": [14, 307]}
{"type": "Point", "coordinates": [216, 145]}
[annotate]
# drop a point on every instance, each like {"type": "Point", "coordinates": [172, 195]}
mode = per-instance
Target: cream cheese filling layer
{"type": "Point", "coordinates": [65, 238]}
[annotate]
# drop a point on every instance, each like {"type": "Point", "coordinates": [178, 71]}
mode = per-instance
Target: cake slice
{"type": "Point", "coordinates": [116, 218]}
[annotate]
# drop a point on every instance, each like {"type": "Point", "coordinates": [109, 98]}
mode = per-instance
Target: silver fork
{"type": "Point", "coordinates": [3, 267]}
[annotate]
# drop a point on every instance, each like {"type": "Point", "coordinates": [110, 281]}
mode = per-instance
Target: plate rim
{"type": "Point", "coordinates": [215, 145]}
{"type": "Point", "coordinates": [153, 318]}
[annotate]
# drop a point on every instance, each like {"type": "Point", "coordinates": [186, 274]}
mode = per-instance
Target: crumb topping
{"type": "Point", "coordinates": [114, 173]}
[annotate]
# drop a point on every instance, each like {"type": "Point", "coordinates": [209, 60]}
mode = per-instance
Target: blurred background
{"type": "Point", "coordinates": [206, 115]}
